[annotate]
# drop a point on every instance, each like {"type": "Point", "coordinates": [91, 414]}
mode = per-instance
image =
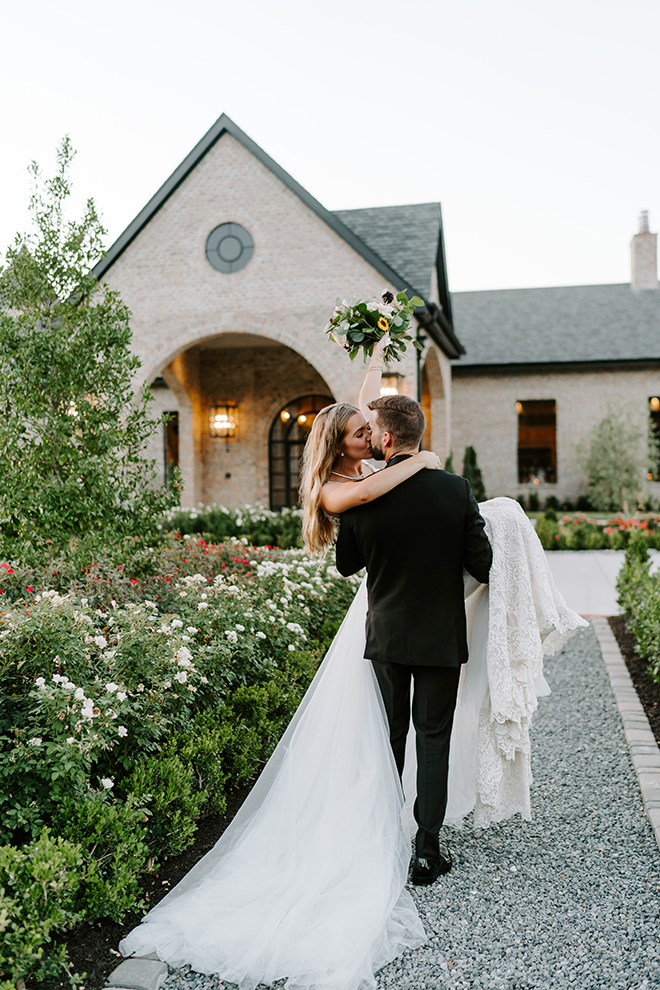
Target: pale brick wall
{"type": "Point", "coordinates": [484, 415]}
{"type": "Point", "coordinates": [286, 292]}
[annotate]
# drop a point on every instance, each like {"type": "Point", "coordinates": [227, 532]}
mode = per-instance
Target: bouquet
{"type": "Point", "coordinates": [359, 326]}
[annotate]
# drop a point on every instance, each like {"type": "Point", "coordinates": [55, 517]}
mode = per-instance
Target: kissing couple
{"type": "Point", "coordinates": [309, 881]}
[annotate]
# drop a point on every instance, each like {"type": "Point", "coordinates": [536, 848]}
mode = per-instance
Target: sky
{"type": "Point", "coordinates": [534, 124]}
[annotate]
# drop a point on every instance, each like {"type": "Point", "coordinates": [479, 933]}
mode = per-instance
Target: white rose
{"type": "Point", "coordinates": [192, 630]}
{"type": "Point", "coordinates": [40, 682]}
{"type": "Point", "coordinates": [101, 642]}
{"type": "Point", "coordinates": [111, 687]}
{"type": "Point", "coordinates": [231, 635]}
{"type": "Point", "coordinates": [202, 605]}
{"type": "Point", "coordinates": [177, 623]}
{"type": "Point", "coordinates": [35, 741]}
{"type": "Point", "coordinates": [79, 694]}
{"type": "Point", "coordinates": [107, 783]}
{"type": "Point", "coordinates": [71, 740]}
{"type": "Point", "coordinates": [291, 648]}
{"type": "Point", "coordinates": [122, 731]}
{"type": "Point", "coordinates": [121, 696]}
{"type": "Point", "coordinates": [181, 676]}
{"type": "Point", "coordinates": [260, 635]}
{"type": "Point", "coordinates": [240, 628]}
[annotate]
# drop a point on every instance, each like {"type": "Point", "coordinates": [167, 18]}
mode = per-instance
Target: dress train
{"type": "Point", "coordinates": [308, 881]}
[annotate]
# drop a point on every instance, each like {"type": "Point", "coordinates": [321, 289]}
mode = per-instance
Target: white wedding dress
{"type": "Point", "coordinates": [308, 881]}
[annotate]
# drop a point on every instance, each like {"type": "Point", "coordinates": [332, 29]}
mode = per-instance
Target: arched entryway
{"type": "Point", "coordinates": [288, 436]}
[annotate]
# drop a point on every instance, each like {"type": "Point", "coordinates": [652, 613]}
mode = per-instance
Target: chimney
{"type": "Point", "coordinates": [644, 256]}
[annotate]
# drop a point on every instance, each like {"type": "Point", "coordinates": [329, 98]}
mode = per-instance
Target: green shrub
{"type": "Point", "coordinates": [472, 472]}
{"type": "Point", "coordinates": [639, 597]}
{"type": "Point", "coordinates": [112, 836]}
{"type": "Point", "coordinates": [38, 887]}
{"type": "Point", "coordinates": [547, 531]}
{"type": "Point", "coordinates": [165, 784]}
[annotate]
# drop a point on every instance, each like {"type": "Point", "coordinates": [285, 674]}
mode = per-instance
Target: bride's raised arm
{"type": "Point", "coordinates": [371, 386]}
{"type": "Point", "coordinates": [336, 499]}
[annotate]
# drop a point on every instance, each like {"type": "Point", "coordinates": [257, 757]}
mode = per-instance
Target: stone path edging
{"type": "Point", "coordinates": [641, 741]}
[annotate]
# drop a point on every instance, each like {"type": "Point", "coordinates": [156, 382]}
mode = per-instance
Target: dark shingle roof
{"type": "Point", "coordinates": [406, 237]}
{"type": "Point", "coordinates": [558, 325]}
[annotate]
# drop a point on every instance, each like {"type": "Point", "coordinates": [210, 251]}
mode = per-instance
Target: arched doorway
{"type": "Point", "coordinates": [288, 436]}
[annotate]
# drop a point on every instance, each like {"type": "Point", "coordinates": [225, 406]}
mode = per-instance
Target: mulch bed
{"type": "Point", "coordinates": [647, 689]}
{"type": "Point", "coordinates": [92, 948]}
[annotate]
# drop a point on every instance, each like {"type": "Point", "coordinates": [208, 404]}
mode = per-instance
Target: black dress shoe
{"type": "Point", "coordinates": [427, 871]}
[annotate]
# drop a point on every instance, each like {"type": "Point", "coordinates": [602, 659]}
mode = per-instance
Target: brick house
{"type": "Point", "coordinates": [231, 271]}
{"type": "Point", "coordinates": [543, 366]}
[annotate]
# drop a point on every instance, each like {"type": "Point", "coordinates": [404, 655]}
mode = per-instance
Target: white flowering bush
{"type": "Point", "coordinates": [259, 525]}
{"type": "Point", "coordinates": [123, 721]}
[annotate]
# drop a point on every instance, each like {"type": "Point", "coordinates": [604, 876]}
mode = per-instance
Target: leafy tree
{"type": "Point", "coordinates": [73, 431]}
{"type": "Point", "coordinates": [472, 472]}
{"type": "Point", "coordinates": [617, 463]}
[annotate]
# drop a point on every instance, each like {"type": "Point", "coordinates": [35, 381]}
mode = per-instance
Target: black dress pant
{"type": "Point", "coordinates": [434, 701]}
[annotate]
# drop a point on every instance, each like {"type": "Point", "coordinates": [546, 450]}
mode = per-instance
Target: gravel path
{"type": "Point", "coordinates": [569, 899]}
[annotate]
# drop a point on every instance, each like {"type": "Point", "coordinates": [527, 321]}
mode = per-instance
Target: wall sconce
{"type": "Point", "coordinates": [223, 421]}
{"type": "Point", "coordinates": [285, 415]}
{"type": "Point", "coordinates": [654, 403]}
{"type": "Point", "coordinates": [391, 384]}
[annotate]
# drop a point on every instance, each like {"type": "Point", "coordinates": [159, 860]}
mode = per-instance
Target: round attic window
{"type": "Point", "coordinates": [229, 247]}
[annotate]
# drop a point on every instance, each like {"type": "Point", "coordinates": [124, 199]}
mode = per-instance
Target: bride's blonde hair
{"type": "Point", "coordinates": [319, 458]}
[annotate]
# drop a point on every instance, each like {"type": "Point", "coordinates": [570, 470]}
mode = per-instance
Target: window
{"type": "Point", "coordinates": [171, 445]}
{"type": "Point", "coordinates": [288, 436]}
{"type": "Point", "coordinates": [537, 441]}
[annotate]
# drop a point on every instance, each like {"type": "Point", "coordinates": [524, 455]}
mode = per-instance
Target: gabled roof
{"type": "Point", "coordinates": [570, 324]}
{"type": "Point", "coordinates": [408, 237]}
{"type": "Point", "coordinates": [438, 324]}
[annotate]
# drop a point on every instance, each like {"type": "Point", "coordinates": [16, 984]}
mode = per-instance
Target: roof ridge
{"type": "Point", "coordinates": [225, 125]}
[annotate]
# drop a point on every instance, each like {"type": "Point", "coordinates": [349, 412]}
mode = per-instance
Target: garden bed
{"type": "Point", "coordinates": [140, 689]}
{"type": "Point", "coordinates": [648, 690]}
{"type": "Point", "coordinates": [92, 948]}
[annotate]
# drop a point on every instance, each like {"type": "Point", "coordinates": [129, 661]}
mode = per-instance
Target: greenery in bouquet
{"type": "Point", "coordinates": [359, 325]}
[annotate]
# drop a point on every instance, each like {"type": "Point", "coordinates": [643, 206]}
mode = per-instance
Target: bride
{"type": "Point", "coordinates": [308, 882]}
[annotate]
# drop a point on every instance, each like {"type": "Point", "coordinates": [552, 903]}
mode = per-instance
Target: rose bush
{"type": "Point", "coordinates": [582, 533]}
{"type": "Point", "coordinates": [136, 693]}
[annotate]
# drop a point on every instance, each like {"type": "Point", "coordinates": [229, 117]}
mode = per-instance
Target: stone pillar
{"type": "Point", "coordinates": [644, 256]}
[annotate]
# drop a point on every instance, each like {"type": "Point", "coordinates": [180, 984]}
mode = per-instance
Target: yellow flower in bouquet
{"type": "Point", "coordinates": [359, 325]}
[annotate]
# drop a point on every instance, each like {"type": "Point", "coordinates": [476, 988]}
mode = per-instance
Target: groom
{"type": "Point", "coordinates": [415, 542]}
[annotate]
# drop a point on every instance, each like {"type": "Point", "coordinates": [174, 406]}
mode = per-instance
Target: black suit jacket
{"type": "Point", "coordinates": [415, 542]}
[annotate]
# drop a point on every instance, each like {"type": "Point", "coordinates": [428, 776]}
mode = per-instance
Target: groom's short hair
{"type": "Point", "coordinates": [402, 417]}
